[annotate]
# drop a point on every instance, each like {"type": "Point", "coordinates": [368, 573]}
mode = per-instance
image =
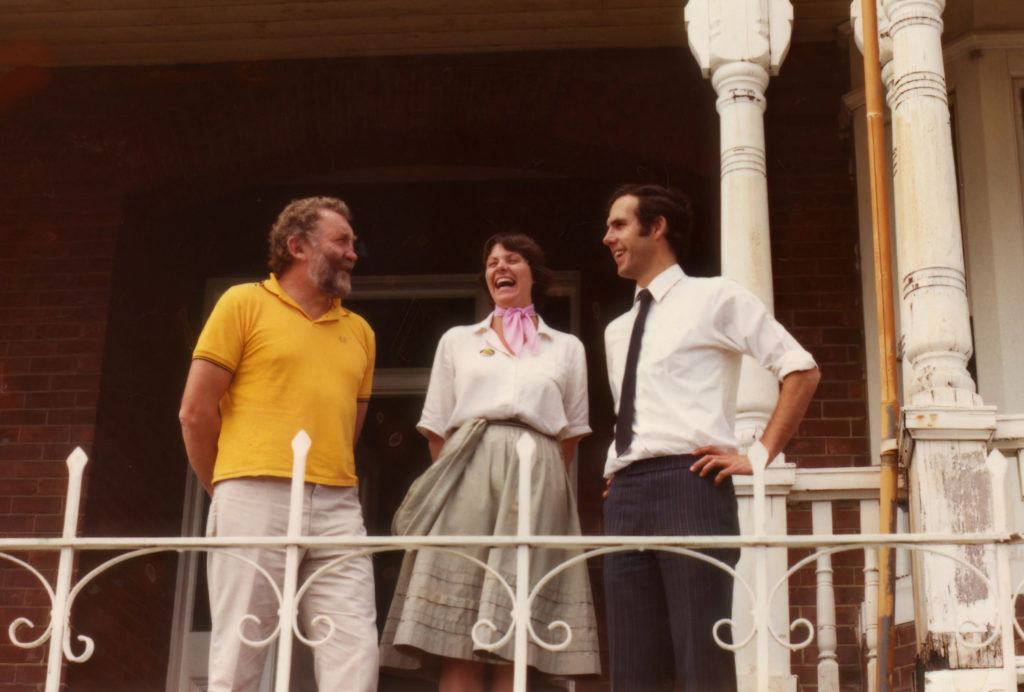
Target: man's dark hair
{"type": "Point", "coordinates": [531, 252]}
{"type": "Point", "coordinates": [654, 201]}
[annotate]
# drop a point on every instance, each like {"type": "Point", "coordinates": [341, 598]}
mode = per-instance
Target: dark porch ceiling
{"type": "Point", "coordinates": [154, 32]}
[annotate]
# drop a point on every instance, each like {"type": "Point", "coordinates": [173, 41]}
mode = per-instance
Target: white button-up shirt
{"type": "Point", "coordinates": [688, 373]}
{"type": "Point", "coordinates": [475, 376]}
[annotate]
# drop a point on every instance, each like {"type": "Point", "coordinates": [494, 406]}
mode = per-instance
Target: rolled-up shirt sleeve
{"type": "Point", "coordinates": [748, 326]}
{"type": "Point", "coordinates": [440, 400]}
{"type": "Point", "coordinates": [574, 397]}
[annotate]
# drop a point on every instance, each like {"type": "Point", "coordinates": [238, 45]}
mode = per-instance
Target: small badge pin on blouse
{"type": "Point", "coordinates": [486, 352]}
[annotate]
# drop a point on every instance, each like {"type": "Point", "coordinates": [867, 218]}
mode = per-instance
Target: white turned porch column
{"type": "Point", "coordinates": [946, 427]}
{"type": "Point", "coordinates": [739, 44]}
{"type": "Point", "coordinates": [936, 328]}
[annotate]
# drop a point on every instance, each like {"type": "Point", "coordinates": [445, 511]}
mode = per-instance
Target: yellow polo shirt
{"type": "Point", "coordinates": [290, 373]}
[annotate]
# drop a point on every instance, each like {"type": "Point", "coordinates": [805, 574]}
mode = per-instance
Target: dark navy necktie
{"type": "Point", "coordinates": [627, 407]}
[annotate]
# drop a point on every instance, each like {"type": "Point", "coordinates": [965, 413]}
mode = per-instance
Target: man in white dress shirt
{"type": "Point", "coordinates": [674, 365]}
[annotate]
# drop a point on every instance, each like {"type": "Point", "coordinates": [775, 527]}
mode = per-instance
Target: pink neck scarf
{"type": "Point", "coordinates": [518, 327]}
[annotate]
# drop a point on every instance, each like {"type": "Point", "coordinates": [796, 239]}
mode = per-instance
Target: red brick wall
{"type": "Point", "coordinates": [816, 260]}
{"type": "Point", "coordinates": [185, 166]}
{"type": "Point", "coordinates": [847, 576]}
{"type": "Point", "coordinates": [56, 252]}
{"type": "Point", "coordinates": [54, 289]}
{"type": "Point", "coordinates": [816, 254]}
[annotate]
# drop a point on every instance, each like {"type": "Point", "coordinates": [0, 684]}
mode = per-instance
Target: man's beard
{"type": "Point", "coordinates": [330, 276]}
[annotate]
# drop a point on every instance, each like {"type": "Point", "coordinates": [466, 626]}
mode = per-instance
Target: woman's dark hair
{"type": "Point", "coordinates": [654, 201]}
{"type": "Point", "coordinates": [531, 252]}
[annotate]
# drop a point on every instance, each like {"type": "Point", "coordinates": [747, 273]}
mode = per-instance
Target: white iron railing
{"type": "Point", "coordinates": [757, 636]}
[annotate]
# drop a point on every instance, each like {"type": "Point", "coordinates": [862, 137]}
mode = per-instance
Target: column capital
{"type": "Point", "coordinates": [718, 34]}
{"type": "Point", "coordinates": [903, 13]}
{"type": "Point", "coordinates": [740, 82]}
{"type": "Point", "coordinates": [884, 40]}
{"type": "Point", "coordinates": [884, 34]}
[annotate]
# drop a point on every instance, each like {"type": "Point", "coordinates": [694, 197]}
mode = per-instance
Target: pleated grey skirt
{"type": "Point", "coordinates": [472, 489]}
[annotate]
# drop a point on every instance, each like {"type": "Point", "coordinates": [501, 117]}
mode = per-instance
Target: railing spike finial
{"type": "Point", "coordinates": [286, 614]}
{"type": "Point", "coordinates": [301, 443]}
{"type": "Point", "coordinates": [526, 447]}
{"type": "Point", "coordinates": [77, 460]}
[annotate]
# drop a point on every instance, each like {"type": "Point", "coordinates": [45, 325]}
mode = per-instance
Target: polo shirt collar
{"type": "Point", "coordinates": [334, 313]}
{"type": "Point", "coordinates": [663, 282]}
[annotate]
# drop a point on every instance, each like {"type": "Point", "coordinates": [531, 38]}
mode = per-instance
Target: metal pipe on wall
{"type": "Point", "coordinates": [889, 469]}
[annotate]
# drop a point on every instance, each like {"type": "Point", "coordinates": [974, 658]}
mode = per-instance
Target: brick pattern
{"type": "Point", "coordinates": [816, 257]}
{"type": "Point", "coordinates": [847, 577]}
{"type": "Point", "coordinates": [55, 261]}
{"type": "Point", "coordinates": [52, 312]}
{"type": "Point", "coordinates": [98, 156]}
{"type": "Point", "coordinates": [816, 263]}
{"type": "Point", "coordinates": [849, 593]}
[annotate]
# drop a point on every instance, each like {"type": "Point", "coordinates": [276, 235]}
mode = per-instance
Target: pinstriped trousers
{"type": "Point", "coordinates": [662, 606]}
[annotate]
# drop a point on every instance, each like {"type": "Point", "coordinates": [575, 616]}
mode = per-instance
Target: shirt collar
{"type": "Point", "coordinates": [484, 325]}
{"type": "Point", "coordinates": [661, 284]}
{"type": "Point", "coordinates": [542, 327]}
{"type": "Point", "coordinates": [271, 285]}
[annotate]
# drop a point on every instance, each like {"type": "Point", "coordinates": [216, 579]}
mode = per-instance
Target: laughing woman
{"type": "Point", "coordinates": [491, 383]}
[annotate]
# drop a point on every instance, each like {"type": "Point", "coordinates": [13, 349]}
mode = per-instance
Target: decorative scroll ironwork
{"type": "Point", "coordinates": [485, 633]}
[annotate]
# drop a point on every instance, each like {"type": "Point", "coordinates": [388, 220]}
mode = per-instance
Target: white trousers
{"type": "Point", "coordinates": [344, 593]}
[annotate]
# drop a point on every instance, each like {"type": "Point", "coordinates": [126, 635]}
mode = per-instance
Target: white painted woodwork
{"type": "Point", "coordinates": [989, 16]}
{"type": "Point", "coordinates": [779, 481]}
{"type": "Point", "coordinates": [947, 427]}
{"type": "Point", "coordinates": [869, 518]}
{"type": "Point", "coordinates": [786, 485]}
{"type": "Point", "coordinates": [1009, 439]}
{"type": "Point", "coordinates": [187, 659]}
{"type": "Point", "coordinates": [855, 104]}
{"type": "Point", "coordinates": [828, 640]}
{"type": "Point", "coordinates": [950, 489]}
{"type": "Point", "coordinates": [979, 680]}
{"type": "Point", "coordinates": [986, 73]}
{"type": "Point", "coordinates": [935, 324]}
{"type": "Point", "coordinates": [824, 488]}
{"type": "Point", "coordinates": [738, 56]}
{"type": "Point", "coordinates": [60, 619]}
{"type": "Point", "coordinates": [143, 32]}
{"type": "Point", "coordinates": [857, 107]}
{"type": "Point", "coordinates": [997, 467]}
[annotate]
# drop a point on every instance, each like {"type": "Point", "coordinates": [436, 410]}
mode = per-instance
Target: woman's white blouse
{"type": "Point", "coordinates": [475, 376]}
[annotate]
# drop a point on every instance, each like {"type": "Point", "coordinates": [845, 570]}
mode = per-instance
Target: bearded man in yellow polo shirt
{"type": "Point", "coordinates": [276, 357]}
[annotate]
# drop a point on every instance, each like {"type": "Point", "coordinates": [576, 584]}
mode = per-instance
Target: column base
{"type": "Point", "coordinates": [952, 490]}
{"type": "Point", "coordinates": [778, 683]}
{"type": "Point", "coordinates": [979, 679]}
